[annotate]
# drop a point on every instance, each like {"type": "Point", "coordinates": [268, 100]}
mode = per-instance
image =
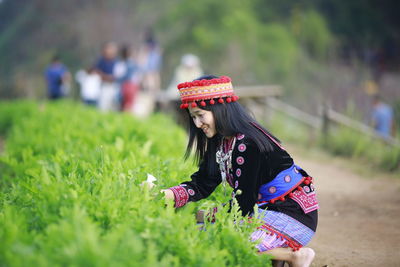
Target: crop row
{"type": "Point", "coordinates": [71, 193]}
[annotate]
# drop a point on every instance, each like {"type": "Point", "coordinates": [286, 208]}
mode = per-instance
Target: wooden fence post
{"type": "Point", "coordinates": [325, 123]}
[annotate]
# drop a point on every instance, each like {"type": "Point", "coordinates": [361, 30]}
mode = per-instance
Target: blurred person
{"type": "Point", "coordinates": [188, 70]}
{"type": "Point", "coordinates": [109, 96]}
{"type": "Point", "coordinates": [57, 78]}
{"type": "Point", "coordinates": [233, 148]}
{"type": "Point", "coordinates": [127, 75]}
{"type": "Point", "coordinates": [382, 117]}
{"type": "Point", "coordinates": [150, 61]}
{"type": "Point", "coordinates": [90, 85]}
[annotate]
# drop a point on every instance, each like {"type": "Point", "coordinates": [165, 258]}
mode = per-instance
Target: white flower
{"type": "Point", "coordinates": [149, 181]}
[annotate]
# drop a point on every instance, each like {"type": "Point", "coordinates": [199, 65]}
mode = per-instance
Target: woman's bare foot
{"type": "Point", "coordinates": [303, 257]}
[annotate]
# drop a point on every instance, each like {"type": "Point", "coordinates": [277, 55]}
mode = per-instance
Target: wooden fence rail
{"type": "Point", "coordinates": [311, 121]}
{"type": "Point", "coordinates": [332, 116]}
{"type": "Point", "coordinates": [328, 117]}
{"type": "Point", "coordinates": [261, 98]}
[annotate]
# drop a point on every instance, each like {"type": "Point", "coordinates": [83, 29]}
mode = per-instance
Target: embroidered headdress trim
{"type": "Point", "coordinates": [203, 90]}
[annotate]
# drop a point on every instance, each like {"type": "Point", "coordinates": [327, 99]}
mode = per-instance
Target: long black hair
{"type": "Point", "coordinates": [230, 119]}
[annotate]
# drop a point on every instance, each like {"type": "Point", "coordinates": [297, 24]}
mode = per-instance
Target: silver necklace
{"type": "Point", "coordinates": [224, 161]}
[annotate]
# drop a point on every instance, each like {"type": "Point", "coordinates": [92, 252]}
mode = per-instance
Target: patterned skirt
{"type": "Point", "coordinates": [280, 231]}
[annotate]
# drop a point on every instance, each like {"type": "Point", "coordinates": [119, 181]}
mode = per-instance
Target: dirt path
{"type": "Point", "coordinates": [359, 219]}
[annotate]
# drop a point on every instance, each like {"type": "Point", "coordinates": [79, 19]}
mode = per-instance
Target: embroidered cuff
{"type": "Point", "coordinates": [181, 196]}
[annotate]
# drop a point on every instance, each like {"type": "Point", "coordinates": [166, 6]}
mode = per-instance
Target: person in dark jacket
{"type": "Point", "coordinates": [233, 148]}
{"type": "Point", "coordinates": [57, 78]}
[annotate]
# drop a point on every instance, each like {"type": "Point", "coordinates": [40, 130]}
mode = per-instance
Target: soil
{"type": "Point", "coordinates": [359, 216]}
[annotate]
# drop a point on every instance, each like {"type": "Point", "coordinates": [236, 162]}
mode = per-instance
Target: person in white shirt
{"type": "Point", "coordinates": [90, 85]}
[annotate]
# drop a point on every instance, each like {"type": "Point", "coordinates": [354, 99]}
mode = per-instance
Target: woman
{"type": "Point", "coordinates": [233, 148]}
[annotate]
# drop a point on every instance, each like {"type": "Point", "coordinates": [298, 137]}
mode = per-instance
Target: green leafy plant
{"type": "Point", "coordinates": [71, 193]}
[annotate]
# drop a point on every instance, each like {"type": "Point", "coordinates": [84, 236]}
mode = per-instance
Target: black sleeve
{"type": "Point", "coordinates": [246, 164]}
{"type": "Point", "coordinates": [202, 184]}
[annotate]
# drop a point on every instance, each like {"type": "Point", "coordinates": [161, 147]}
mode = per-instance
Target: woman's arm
{"type": "Point", "coordinates": [202, 184]}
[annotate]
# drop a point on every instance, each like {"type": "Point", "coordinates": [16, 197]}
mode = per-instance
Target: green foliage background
{"type": "Point", "coordinates": [232, 37]}
{"type": "Point", "coordinates": [315, 49]}
{"type": "Point", "coordinates": [255, 41]}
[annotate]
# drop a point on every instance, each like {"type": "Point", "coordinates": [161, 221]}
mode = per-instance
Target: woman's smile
{"type": "Point", "coordinates": [204, 120]}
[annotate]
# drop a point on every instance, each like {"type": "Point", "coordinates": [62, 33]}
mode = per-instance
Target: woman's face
{"type": "Point", "coordinates": [204, 120]}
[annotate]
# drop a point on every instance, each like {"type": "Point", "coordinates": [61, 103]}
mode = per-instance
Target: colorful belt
{"type": "Point", "coordinates": [283, 184]}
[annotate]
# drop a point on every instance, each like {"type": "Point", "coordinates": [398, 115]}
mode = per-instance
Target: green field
{"type": "Point", "coordinates": [70, 193]}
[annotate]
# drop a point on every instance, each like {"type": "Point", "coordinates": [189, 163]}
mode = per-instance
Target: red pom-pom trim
{"type": "Point", "coordinates": [272, 201]}
{"type": "Point", "coordinates": [204, 82]}
{"type": "Point", "coordinates": [220, 101]}
{"type": "Point", "coordinates": [194, 105]}
{"type": "Point", "coordinates": [212, 102]}
{"type": "Point", "coordinates": [228, 100]}
{"type": "Point", "coordinates": [182, 85]}
{"type": "Point", "coordinates": [224, 79]}
{"type": "Point", "coordinates": [282, 198]}
{"type": "Point", "coordinates": [299, 188]}
{"type": "Point", "coordinates": [181, 106]}
{"type": "Point", "coordinates": [186, 105]}
{"type": "Point", "coordinates": [202, 103]}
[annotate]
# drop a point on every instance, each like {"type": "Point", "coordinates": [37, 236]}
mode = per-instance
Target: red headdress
{"type": "Point", "coordinates": [201, 90]}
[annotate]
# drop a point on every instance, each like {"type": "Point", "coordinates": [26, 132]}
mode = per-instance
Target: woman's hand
{"type": "Point", "coordinates": [168, 194]}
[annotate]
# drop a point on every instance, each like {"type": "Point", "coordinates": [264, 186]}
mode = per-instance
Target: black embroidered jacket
{"type": "Point", "coordinates": [250, 169]}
